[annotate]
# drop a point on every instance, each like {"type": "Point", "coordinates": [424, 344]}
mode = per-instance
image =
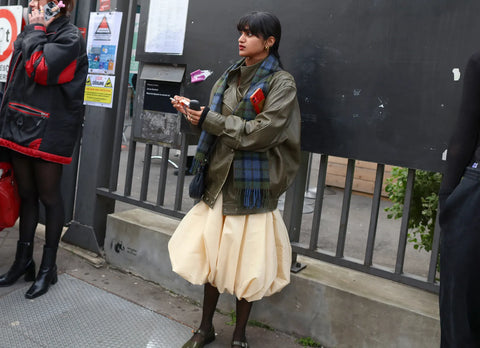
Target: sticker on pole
{"type": "Point", "coordinates": [10, 25]}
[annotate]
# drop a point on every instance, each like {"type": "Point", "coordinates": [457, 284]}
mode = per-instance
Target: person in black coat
{"type": "Point", "coordinates": [40, 121]}
{"type": "Point", "coordinates": [460, 222]}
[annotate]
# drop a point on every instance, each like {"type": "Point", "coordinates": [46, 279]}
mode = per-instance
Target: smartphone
{"type": "Point", "coordinates": [194, 104]}
{"type": "Point", "coordinates": [257, 99]}
{"type": "Point", "coordinates": [51, 9]}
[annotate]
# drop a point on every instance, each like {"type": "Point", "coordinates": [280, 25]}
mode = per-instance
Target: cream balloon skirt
{"type": "Point", "coordinates": [245, 255]}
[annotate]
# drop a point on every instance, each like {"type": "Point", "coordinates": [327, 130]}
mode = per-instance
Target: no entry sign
{"type": "Point", "coordinates": [10, 25]}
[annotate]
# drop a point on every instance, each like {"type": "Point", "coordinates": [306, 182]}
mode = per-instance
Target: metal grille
{"type": "Point", "coordinates": [311, 249]}
{"type": "Point", "coordinates": [76, 314]}
{"type": "Point", "coordinates": [151, 185]}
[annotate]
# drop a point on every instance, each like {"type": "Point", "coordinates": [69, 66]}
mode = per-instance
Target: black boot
{"type": "Point", "coordinates": [47, 274]}
{"type": "Point", "coordinates": [23, 265]}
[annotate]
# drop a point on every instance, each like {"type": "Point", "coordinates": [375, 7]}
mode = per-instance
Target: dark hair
{"type": "Point", "coordinates": [69, 5]}
{"type": "Point", "coordinates": [263, 24]}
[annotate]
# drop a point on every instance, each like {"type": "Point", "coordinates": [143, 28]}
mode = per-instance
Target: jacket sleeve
{"type": "Point", "coordinates": [464, 140]}
{"type": "Point", "coordinates": [267, 129]}
{"type": "Point", "coordinates": [49, 63]}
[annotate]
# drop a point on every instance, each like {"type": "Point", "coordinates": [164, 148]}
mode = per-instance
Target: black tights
{"type": "Point", "coordinates": [39, 180]}
{"type": "Point", "coordinates": [210, 299]}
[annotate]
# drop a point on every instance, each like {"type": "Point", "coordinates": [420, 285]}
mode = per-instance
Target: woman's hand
{"type": "Point", "coordinates": [38, 17]}
{"type": "Point", "coordinates": [178, 103]}
{"type": "Point", "coordinates": [192, 116]}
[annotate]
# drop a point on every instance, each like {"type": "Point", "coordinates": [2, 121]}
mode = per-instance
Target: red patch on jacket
{"type": "Point", "coordinates": [68, 73]}
{"type": "Point", "coordinates": [42, 72]}
{"type": "Point", "coordinates": [29, 66]}
{"type": "Point", "coordinates": [35, 144]}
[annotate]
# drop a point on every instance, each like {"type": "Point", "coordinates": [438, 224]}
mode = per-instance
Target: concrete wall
{"type": "Point", "coordinates": [336, 306]}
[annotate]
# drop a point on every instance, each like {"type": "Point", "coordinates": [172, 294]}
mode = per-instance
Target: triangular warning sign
{"type": "Point", "coordinates": [89, 82]}
{"type": "Point", "coordinates": [103, 27]}
{"type": "Point", "coordinates": [108, 83]}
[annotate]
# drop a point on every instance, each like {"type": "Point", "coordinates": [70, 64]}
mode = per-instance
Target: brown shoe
{"type": "Point", "coordinates": [208, 337]}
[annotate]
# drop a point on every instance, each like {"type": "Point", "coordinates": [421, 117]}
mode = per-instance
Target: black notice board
{"type": "Point", "coordinates": [157, 95]}
{"type": "Point", "coordinates": [376, 78]}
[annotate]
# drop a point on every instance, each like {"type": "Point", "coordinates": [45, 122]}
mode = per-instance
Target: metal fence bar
{"type": "Point", "coordinates": [181, 173]}
{"type": "Point", "coordinates": [122, 81]}
{"type": "Point", "coordinates": [317, 211]}
{"type": "Point", "coordinates": [432, 269]}
{"type": "Point", "coordinates": [147, 160]}
{"type": "Point", "coordinates": [142, 204]}
{"type": "Point", "coordinates": [132, 147]}
{"type": "Point", "coordinates": [293, 209]}
{"type": "Point", "coordinates": [162, 181]}
{"type": "Point", "coordinates": [372, 229]}
{"type": "Point", "coordinates": [347, 195]}
{"type": "Point", "coordinates": [402, 243]}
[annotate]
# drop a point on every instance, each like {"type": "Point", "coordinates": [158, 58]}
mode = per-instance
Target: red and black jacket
{"type": "Point", "coordinates": [42, 109]}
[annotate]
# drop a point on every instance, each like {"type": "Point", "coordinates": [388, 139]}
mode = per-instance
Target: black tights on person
{"type": "Point", "coordinates": [39, 180]}
{"type": "Point", "coordinates": [210, 299]}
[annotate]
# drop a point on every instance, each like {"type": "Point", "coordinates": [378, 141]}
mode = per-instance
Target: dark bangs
{"type": "Point", "coordinates": [254, 23]}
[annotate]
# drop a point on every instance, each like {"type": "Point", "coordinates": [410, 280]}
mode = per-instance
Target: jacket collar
{"type": "Point", "coordinates": [58, 23]}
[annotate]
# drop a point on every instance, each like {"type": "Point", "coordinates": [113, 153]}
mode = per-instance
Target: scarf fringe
{"type": "Point", "coordinates": [252, 198]}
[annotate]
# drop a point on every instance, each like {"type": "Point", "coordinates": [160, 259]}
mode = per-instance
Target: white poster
{"type": "Point", "coordinates": [166, 26]}
{"type": "Point", "coordinates": [102, 41]}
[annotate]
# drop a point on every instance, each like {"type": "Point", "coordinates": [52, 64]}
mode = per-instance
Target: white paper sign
{"type": "Point", "coordinates": [166, 26]}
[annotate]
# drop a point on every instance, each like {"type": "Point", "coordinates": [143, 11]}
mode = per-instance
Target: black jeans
{"type": "Point", "coordinates": [460, 264]}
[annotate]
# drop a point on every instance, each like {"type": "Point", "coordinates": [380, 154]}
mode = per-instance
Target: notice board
{"type": "Point", "coordinates": [378, 80]}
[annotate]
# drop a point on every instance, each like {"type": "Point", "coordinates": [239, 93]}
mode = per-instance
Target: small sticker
{"type": "Point", "coordinates": [444, 155]}
{"type": "Point", "coordinates": [200, 75]}
{"type": "Point", "coordinates": [456, 74]}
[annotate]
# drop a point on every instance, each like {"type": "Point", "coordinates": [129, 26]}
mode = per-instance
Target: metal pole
{"type": "Point", "coordinates": [87, 229]}
{"type": "Point", "coordinates": [291, 214]}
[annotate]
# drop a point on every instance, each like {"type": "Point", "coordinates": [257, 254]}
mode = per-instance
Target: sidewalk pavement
{"type": "Point", "coordinates": [94, 305]}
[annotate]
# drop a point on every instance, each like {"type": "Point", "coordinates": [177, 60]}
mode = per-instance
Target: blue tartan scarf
{"type": "Point", "coordinates": [250, 169]}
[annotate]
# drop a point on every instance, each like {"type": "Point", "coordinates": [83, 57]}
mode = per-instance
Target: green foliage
{"type": "Point", "coordinates": [423, 209]}
{"type": "Point", "coordinates": [309, 342]}
{"type": "Point", "coordinates": [233, 318]}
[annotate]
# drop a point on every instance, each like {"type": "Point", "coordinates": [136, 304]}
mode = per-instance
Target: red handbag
{"type": "Point", "coordinates": [9, 198]}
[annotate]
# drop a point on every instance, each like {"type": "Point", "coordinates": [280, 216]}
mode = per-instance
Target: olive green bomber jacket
{"type": "Point", "coordinates": [275, 130]}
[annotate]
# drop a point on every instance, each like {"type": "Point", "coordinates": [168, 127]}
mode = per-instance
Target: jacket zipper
{"type": "Point", "coordinates": [25, 109]}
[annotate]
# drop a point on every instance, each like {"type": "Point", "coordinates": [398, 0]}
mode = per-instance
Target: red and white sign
{"type": "Point", "coordinates": [10, 26]}
{"type": "Point", "coordinates": [104, 5]}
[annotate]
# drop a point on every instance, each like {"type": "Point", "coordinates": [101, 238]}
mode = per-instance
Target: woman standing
{"type": "Point", "coordinates": [235, 240]}
{"type": "Point", "coordinates": [40, 120]}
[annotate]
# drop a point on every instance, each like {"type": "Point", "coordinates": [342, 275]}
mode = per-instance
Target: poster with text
{"type": "Point", "coordinates": [102, 42]}
{"type": "Point", "coordinates": [99, 90]}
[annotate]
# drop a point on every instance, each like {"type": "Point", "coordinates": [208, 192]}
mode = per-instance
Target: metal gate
{"type": "Point", "coordinates": [116, 170]}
